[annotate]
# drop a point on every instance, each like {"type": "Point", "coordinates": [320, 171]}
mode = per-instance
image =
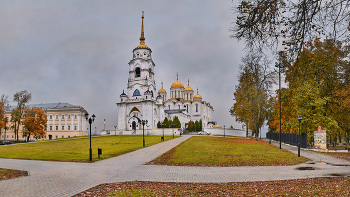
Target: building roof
{"type": "Point", "coordinates": [47, 106]}
{"type": "Point", "coordinates": [174, 111]}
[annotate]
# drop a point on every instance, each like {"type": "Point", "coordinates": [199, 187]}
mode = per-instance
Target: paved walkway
{"type": "Point", "coordinates": [66, 179]}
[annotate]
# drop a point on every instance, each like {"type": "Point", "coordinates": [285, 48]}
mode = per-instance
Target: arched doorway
{"type": "Point", "coordinates": [133, 125]}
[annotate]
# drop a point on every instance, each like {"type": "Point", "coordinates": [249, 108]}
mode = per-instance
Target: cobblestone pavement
{"type": "Point", "coordinates": [67, 178]}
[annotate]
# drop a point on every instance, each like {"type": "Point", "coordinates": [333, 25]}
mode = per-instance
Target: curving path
{"type": "Point", "coordinates": [48, 178]}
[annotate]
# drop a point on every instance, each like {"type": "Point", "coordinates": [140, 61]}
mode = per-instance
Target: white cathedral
{"type": "Point", "coordinates": [140, 102]}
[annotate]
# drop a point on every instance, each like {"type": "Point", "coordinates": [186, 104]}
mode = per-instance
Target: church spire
{"type": "Point", "coordinates": [142, 38]}
{"type": "Point", "coordinates": [188, 83]}
{"type": "Point", "coordinates": [177, 76]}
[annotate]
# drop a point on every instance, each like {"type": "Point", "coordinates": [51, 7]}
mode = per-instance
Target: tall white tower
{"type": "Point", "coordinates": [140, 100]}
{"type": "Point", "coordinates": [141, 71]}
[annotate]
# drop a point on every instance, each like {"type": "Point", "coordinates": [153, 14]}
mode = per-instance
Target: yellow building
{"type": "Point", "coordinates": [63, 120]}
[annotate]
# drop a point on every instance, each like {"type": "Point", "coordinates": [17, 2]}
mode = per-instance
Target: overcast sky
{"type": "Point", "coordinates": [78, 51]}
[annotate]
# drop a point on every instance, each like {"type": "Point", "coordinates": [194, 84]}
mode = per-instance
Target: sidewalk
{"type": "Point", "coordinates": [48, 178]}
{"type": "Point", "coordinates": [314, 156]}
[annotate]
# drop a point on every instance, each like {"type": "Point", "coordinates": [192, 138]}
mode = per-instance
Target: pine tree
{"type": "Point", "coordinates": [176, 122]}
{"type": "Point", "coordinates": [200, 124]}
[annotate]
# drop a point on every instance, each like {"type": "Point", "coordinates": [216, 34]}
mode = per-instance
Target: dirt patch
{"type": "Point", "coordinates": [10, 174]}
{"type": "Point", "coordinates": [337, 186]}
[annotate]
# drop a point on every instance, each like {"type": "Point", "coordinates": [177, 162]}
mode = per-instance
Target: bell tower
{"type": "Point", "coordinates": [141, 71]}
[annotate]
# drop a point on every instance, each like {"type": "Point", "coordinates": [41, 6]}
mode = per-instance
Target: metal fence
{"type": "Point", "coordinates": [289, 138]}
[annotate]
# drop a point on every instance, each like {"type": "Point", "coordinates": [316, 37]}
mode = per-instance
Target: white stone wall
{"type": "Point", "coordinates": [228, 131]}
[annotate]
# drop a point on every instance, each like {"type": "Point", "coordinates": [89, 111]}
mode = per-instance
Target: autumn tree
{"type": "Point", "coordinates": [272, 24]}
{"type": "Point", "coordinates": [3, 118]}
{"type": "Point", "coordinates": [318, 89]}
{"type": "Point", "coordinates": [14, 121]}
{"type": "Point", "coordinates": [6, 126]}
{"type": "Point", "coordinates": [22, 98]}
{"type": "Point", "coordinates": [35, 123]}
{"type": "Point", "coordinates": [255, 82]}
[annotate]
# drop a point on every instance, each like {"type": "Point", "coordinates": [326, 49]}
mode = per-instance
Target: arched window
{"type": "Point", "coordinates": [136, 93]}
{"type": "Point", "coordinates": [137, 72]}
{"type": "Point", "coordinates": [196, 107]}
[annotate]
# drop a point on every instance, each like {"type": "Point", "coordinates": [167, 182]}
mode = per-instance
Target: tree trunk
{"type": "Point", "coordinates": [28, 136]}
{"type": "Point", "coordinates": [257, 128]}
{"type": "Point", "coordinates": [247, 129]}
{"type": "Point", "coordinates": [15, 128]}
{"type": "Point", "coordinates": [19, 123]}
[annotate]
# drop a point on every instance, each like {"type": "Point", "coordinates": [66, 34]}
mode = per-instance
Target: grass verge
{"type": "Point", "coordinates": [340, 155]}
{"type": "Point", "coordinates": [10, 174]}
{"type": "Point", "coordinates": [298, 187]}
{"type": "Point", "coordinates": [213, 151]}
{"type": "Point", "coordinates": [77, 150]}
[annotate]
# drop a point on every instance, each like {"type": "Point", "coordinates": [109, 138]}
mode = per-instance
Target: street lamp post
{"type": "Point", "coordinates": [91, 119]}
{"type": "Point", "coordinates": [143, 127]}
{"type": "Point", "coordinates": [279, 65]}
{"type": "Point", "coordinates": [104, 124]}
{"type": "Point", "coordinates": [300, 117]}
{"type": "Point", "coordinates": [163, 131]}
{"type": "Point", "coordinates": [115, 129]}
{"type": "Point", "coordinates": [224, 130]}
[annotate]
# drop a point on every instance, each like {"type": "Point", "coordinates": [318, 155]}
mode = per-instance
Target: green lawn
{"type": "Point", "coordinates": [77, 150]}
{"type": "Point", "coordinates": [215, 151]}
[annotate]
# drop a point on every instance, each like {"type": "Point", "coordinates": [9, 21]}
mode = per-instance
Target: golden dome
{"type": "Point", "coordinates": [197, 96]}
{"type": "Point", "coordinates": [142, 46]}
{"type": "Point", "coordinates": [188, 86]}
{"type": "Point", "coordinates": [161, 90]}
{"type": "Point", "coordinates": [177, 84]}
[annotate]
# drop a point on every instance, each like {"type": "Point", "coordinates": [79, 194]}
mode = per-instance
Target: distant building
{"type": "Point", "coordinates": [63, 120]}
{"type": "Point", "coordinates": [140, 102]}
